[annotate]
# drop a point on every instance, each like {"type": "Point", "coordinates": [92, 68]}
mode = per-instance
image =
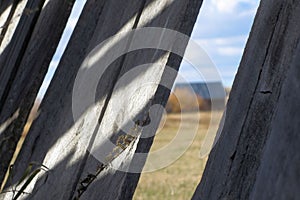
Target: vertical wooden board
{"type": "Point", "coordinates": [25, 76]}
{"type": "Point", "coordinates": [134, 100]}
{"type": "Point", "coordinates": [233, 163]}
{"type": "Point", "coordinates": [5, 9]}
{"type": "Point", "coordinates": [10, 26]}
{"type": "Point", "coordinates": [10, 58]}
{"type": "Point", "coordinates": [258, 124]}
{"type": "Point", "coordinates": [278, 176]}
{"type": "Point", "coordinates": [4, 4]}
{"type": "Point", "coordinates": [10, 22]}
{"type": "Point", "coordinates": [54, 138]}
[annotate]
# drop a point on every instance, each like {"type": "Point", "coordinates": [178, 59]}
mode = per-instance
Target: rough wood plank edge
{"type": "Point", "coordinates": [123, 183]}
{"type": "Point", "coordinates": [4, 4]}
{"type": "Point", "coordinates": [11, 25]}
{"type": "Point", "coordinates": [233, 163]}
{"type": "Point", "coordinates": [29, 69]}
{"type": "Point", "coordinates": [56, 109]}
{"type": "Point", "coordinates": [13, 53]}
{"type": "Point", "coordinates": [52, 132]}
{"type": "Point", "coordinates": [5, 9]}
{"type": "Point", "coordinates": [108, 25]}
{"type": "Point", "coordinates": [10, 59]}
{"type": "Point", "coordinates": [186, 19]}
{"type": "Point", "coordinates": [278, 176]}
{"type": "Point", "coordinates": [8, 20]}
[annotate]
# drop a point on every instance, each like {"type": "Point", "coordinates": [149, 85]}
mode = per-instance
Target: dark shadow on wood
{"type": "Point", "coordinates": [4, 4]}
{"type": "Point", "coordinates": [4, 28]}
{"type": "Point", "coordinates": [233, 165]}
{"type": "Point", "coordinates": [56, 117]}
{"type": "Point", "coordinates": [25, 62]}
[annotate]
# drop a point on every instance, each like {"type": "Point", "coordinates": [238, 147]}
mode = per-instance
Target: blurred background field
{"type": "Point", "coordinates": [180, 179]}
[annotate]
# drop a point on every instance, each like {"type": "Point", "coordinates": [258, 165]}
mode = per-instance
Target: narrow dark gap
{"type": "Point", "coordinates": [34, 112]}
{"type": "Point", "coordinates": [180, 179]}
{"type": "Point", "coordinates": [109, 94]}
{"type": "Point", "coordinates": [76, 11]}
{"type": "Point", "coordinates": [8, 20]}
{"type": "Point", "coordinates": [173, 119]}
{"type": "Point", "coordinates": [15, 69]}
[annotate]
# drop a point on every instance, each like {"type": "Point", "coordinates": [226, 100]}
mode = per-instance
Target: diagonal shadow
{"type": "Point", "coordinates": [20, 76]}
{"type": "Point", "coordinates": [56, 117]}
{"type": "Point", "coordinates": [4, 4]}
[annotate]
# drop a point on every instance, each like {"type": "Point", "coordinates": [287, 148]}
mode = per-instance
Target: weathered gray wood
{"type": "Point", "coordinates": [231, 171]}
{"type": "Point", "coordinates": [278, 176]}
{"type": "Point", "coordinates": [12, 55]}
{"type": "Point", "coordinates": [4, 4]}
{"type": "Point", "coordinates": [9, 23]}
{"type": "Point", "coordinates": [59, 143]}
{"type": "Point", "coordinates": [24, 67]}
{"type": "Point", "coordinates": [56, 117]}
{"type": "Point", "coordinates": [175, 15]}
{"type": "Point", "coordinates": [4, 11]}
{"type": "Point", "coordinates": [7, 19]}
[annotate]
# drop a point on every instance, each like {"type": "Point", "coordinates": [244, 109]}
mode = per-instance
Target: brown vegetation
{"type": "Point", "coordinates": [184, 100]}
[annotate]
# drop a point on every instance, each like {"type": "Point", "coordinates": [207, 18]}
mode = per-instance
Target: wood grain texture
{"type": "Point", "coordinates": [60, 143]}
{"type": "Point", "coordinates": [231, 171]}
{"type": "Point", "coordinates": [176, 15]}
{"type": "Point", "coordinates": [9, 23]}
{"type": "Point", "coordinates": [25, 62]}
{"type": "Point", "coordinates": [278, 176]}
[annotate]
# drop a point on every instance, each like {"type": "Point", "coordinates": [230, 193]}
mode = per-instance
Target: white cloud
{"type": "Point", "coordinates": [225, 52]}
{"type": "Point", "coordinates": [220, 18]}
{"type": "Point", "coordinates": [227, 46]}
{"type": "Point", "coordinates": [239, 39]}
{"type": "Point", "coordinates": [222, 29]}
{"type": "Point", "coordinates": [230, 6]}
{"type": "Point", "coordinates": [230, 51]}
{"type": "Point", "coordinates": [250, 12]}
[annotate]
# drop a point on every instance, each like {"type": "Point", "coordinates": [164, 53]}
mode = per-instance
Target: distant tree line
{"type": "Point", "coordinates": [183, 100]}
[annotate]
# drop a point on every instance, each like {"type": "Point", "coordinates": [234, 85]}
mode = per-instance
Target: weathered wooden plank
{"type": "Point", "coordinates": [141, 94]}
{"type": "Point", "coordinates": [278, 176]}
{"type": "Point", "coordinates": [12, 55]}
{"type": "Point", "coordinates": [59, 143]}
{"type": "Point", "coordinates": [25, 66]}
{"type": "Point", "coordinates": [6, 19]}
{"type": "Point", "coordinates": [57, 104]}
{"type": "Point", "coordinates": [5, 8]}
{"type": "Point", "coordinates": [10, 23]}
{"type": "Point", "coordinates": [233, 163]}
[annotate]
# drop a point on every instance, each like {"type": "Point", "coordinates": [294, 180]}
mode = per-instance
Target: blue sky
{"type": "Point", "coordinates": [222, 29]}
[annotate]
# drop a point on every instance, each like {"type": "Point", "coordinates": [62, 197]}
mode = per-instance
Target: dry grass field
{"type": "Point", "coordinates": [178, 180]}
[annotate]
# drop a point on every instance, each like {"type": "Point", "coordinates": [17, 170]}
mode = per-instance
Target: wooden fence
{"type": "Point", "coordinates": [256, 157]}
